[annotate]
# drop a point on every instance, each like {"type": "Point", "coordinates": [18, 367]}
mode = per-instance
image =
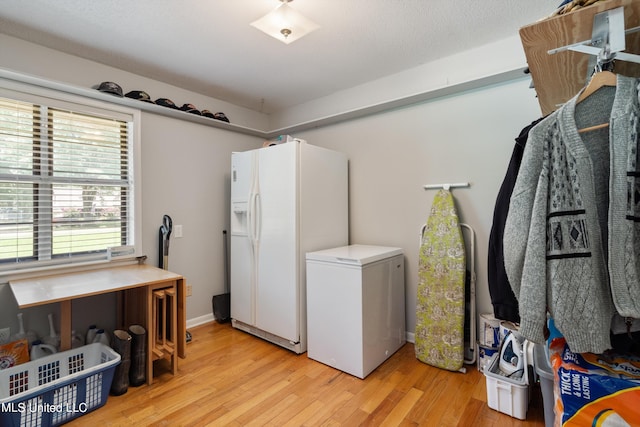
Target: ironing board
{"type": "Point", "coordinates": [439, 336]}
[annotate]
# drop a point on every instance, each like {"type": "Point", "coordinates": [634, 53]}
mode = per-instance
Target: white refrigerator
{"type": "Point", "coordinates": [286, 200]}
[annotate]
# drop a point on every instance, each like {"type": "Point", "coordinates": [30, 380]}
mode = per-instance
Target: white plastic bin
{"type": "Point", "coordinates": [507, 395]}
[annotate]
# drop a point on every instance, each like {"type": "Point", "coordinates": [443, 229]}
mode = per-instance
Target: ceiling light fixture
{"type": "Point", "coordinates": [285, 24]}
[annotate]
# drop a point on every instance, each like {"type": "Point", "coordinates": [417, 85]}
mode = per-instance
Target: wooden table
{"type": "Point", "coordinates": [63, 288]}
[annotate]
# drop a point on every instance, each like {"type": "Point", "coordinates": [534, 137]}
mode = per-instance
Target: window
{"type": "Point", "coordinates": [66, 183]}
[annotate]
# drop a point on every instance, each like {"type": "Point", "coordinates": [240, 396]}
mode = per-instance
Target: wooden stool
{"type": "Point", "coordinates": [164, 310]}
{"type": "Point", "coordinates": [159, 306]}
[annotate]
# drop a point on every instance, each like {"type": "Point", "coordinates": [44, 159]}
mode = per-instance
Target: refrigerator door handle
{"type": "Point", "coordinates": [258, 218]}
{"type": "Point", "coordinates": [253, 218]}
{"type": "Point", "coordinates": [253, 245]}
{"type": "Point", "coordinates": [250, 214]}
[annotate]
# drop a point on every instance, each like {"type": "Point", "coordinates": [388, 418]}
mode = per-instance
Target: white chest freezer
{"type": "Point", "coordinates": [355, 306]}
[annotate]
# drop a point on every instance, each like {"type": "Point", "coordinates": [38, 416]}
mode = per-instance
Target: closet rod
{"type": "Point", "coordinates": [447, 185]}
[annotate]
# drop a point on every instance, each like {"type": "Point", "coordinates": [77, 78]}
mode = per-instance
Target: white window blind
{"type": "Point", "coordinates": [65, 185]}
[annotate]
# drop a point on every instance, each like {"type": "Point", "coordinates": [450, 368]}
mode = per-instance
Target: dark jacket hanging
{"type": "Point", "coordinates": [505, 304]}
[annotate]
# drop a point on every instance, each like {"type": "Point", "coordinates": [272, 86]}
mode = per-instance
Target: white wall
{"type": "Point", "coordinates": [186, 174]}
{"type": "Point", "coordinates": [466, 137]}
{"type": "Point", "coordinates": [450, 71]}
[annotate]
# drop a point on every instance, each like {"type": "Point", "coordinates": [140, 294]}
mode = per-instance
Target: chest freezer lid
{"type": "Point", "coordinates": [355, 254]}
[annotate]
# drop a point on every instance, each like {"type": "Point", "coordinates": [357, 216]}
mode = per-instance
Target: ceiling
{"type": "Point", "coordinates": [209, 47]}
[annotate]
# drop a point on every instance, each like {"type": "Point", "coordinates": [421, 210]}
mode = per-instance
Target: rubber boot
{"type": "Point", "coordinates": [138, 373]}
{"type": "Point", "coordinates": [122, 346]}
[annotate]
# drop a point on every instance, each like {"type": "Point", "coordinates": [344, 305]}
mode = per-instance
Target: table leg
{"type": "Point", "coordinates": [65, 325]}
{"type": "Point", "coordinates": [171, 324]}
{"type": "Point", "coordinates": [181, 339]}
{"type": "Point", "coordinates": [150, 333]}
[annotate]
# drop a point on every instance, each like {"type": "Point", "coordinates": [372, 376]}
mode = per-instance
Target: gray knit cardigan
{"type": "Point", "coordinates": [572, 235]}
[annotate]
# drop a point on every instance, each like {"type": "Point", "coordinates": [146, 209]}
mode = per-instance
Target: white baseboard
{"type": "Point", "coordinates": [207, 318]}
{"type": "Point", "coordinates": [411, 337]}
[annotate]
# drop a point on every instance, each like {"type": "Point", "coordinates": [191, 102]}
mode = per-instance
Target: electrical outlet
{"type": "Point", "coordinates": [189, 290]}
{"type": "Point", "coordinates": [5, 333]}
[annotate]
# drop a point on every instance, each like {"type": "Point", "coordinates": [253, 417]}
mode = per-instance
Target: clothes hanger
{"type": "Point", "coordinates": [598, 80]}
{"type": "Point", "coordinates": [601, 77]}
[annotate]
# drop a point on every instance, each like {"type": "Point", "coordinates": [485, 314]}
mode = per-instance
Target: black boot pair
{"type": "Point", "coordinates": [131, 346]}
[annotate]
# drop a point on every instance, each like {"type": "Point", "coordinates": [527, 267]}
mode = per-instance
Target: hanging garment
{"type": "Point", "coordinates": [439, 337]}
{"type": "Point", "coordinates": [505, 304]}
{"type": "Point", "coordinates": [572, 236]}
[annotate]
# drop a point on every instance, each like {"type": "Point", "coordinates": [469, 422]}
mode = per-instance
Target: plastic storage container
{"type": "Point", "coordinates": [507, 395]}
{"type": "Point", "coordinates": [56, 389]}
{"type": "Point", "coordinates": [545, 373]}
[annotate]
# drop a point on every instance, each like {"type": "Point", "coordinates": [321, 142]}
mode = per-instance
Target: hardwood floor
{"type": "Point", "coordinates": [233, 378]}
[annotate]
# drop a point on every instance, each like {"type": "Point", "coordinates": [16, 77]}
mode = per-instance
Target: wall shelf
{"type": "Point", "coordinates": [446, 90]}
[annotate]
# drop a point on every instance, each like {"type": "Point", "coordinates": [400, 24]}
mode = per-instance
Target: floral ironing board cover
{"type": "Point", "coordinates": [439, 337]}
